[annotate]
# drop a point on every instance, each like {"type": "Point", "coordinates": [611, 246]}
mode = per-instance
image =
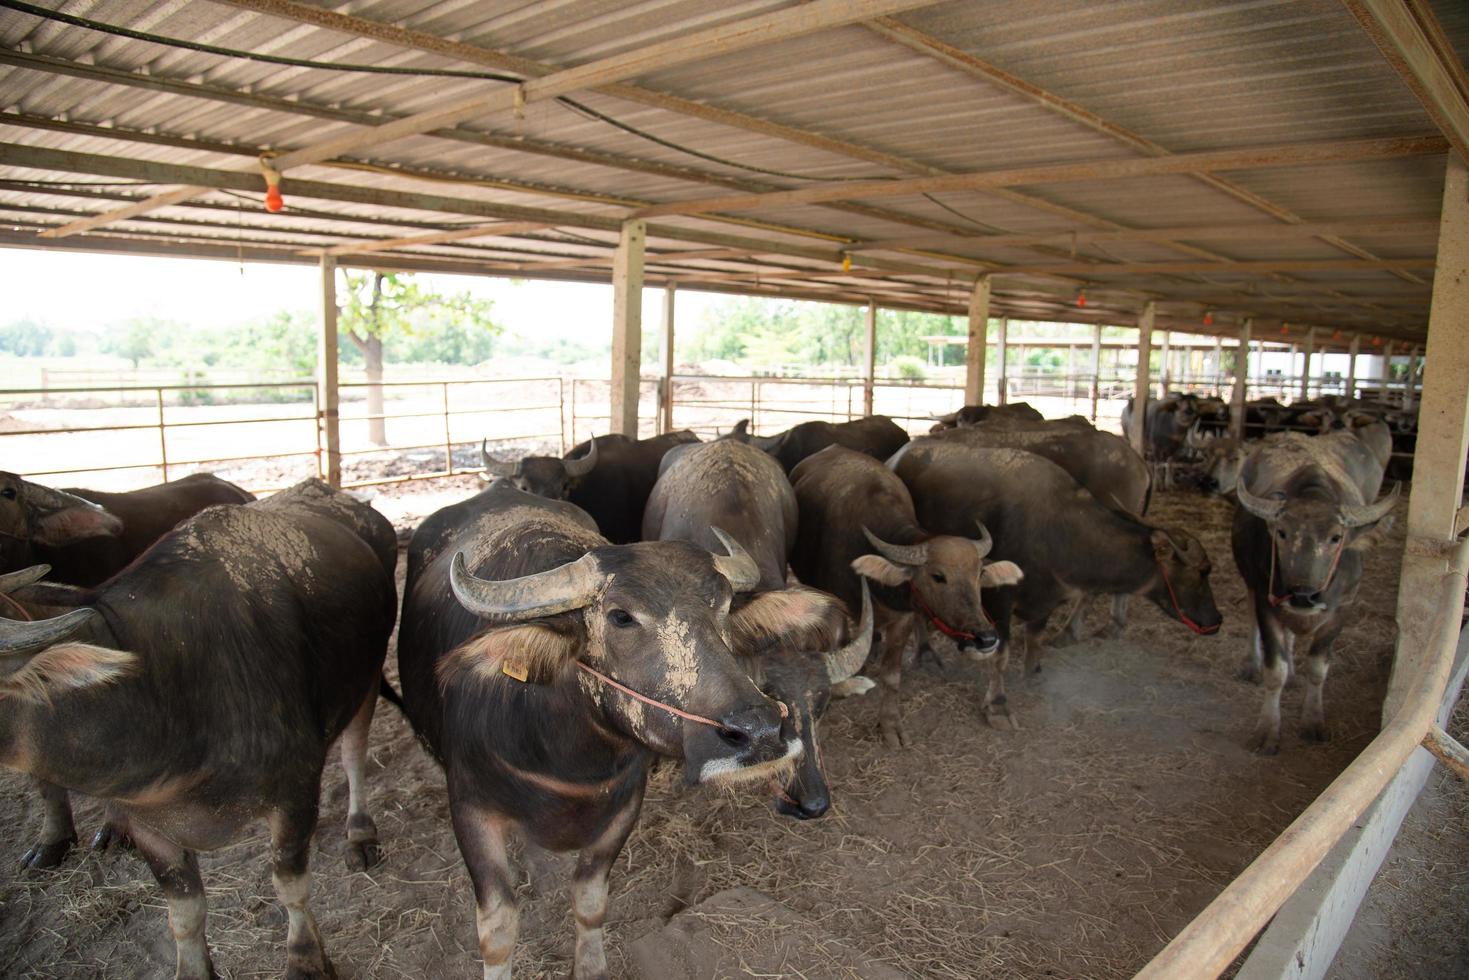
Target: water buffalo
{"type": "Point", "coordinates": [200, 689]}
{"type": "Point", "coordinates": [857, 519]}
{"type": "Point", "coordinates": [545, 476]}
{"type": "Point", "coordinates": [1069, 543]}
{"type": "Point", "coordinates": [1167, 421]}
{"type": "Point", "coordinates": [547, 669]}
{"type": "Point", "coordinates": [1308, 511]}
{"type": "Point", "coordinates": [735, 487]}
{"type": "Point", "coordinates": [976, 414]}
{"type": "Point", "coordinates": [33, 516]}
{"type": "Point", "coordinates": [876, 435]}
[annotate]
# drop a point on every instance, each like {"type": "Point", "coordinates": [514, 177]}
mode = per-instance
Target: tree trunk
{"type": "Point", "coordinates": [372, 356]}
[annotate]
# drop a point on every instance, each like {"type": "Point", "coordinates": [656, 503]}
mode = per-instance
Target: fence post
{"type": "Point", "coordinates": [1096, 367]}
{"type": "Point", "coordinates": [573, 413]}
{"type": "Point", "coordinates": [326, 373]}
{"type": "Point", "coordinates": [561, 410]}
{"type": "Point", "coordinates": [1002, 379]}
{"type": "Point", "coordinates": [869, 358]}
{"type": "Point", "coordinates": [162, 436]}
{"type": "Point", "coordinates": [1241, 379]}
{"type": "Point", "coordinates": [979, 318]}
{"type": "Point", "coordinates": [1142, 387]}
{"type": "Point", "coordinates": [448, 444]}
{"type": "Point", "coordinates": [665, 414]}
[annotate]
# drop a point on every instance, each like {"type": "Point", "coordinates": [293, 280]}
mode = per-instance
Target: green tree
{"type": "Point", "coordinates": [376, 306]}
{"type": "Point", "coordinates": [137, 338]}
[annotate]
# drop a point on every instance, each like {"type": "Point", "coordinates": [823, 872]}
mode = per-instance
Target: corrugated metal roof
{"type": "Point", "coordinates": [1116, 81]}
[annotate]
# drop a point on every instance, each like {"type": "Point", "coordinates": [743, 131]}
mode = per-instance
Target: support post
{"type": "Point", "coordinates": [665, 414]}
{"type": "Point", "coordinates": [979, 316]}
{"type": "Point", "coordinates": [1241, 379]}
{"type": "Point", "coordinates": [1384, 370]}
{"type": "Point", "coordinates": [1096, 368]}
{"type": "Point", "coordinates": [1218, 366]}
{"type": "Point", "coordinates": [869, 359]}
{"type": "Point", "coordinates": [328, 396]}
{"type": "Point", "coordinates": [1002, 389]}
{"type": "Point", "coordinates": [1144, 378]}
{"type": "Point", "coordinates": [1309, 349]}
{"type": "Point", "coordinates": [1165, 371]}
{"type": "Point", "coordinates": [1443, 441]}
{"type": "Point", "coordinates": [627, 327]}
{"type": "Point", "coordinates": [1352, 352]}
{"type": "Point", "coordinates": [1409, 387]}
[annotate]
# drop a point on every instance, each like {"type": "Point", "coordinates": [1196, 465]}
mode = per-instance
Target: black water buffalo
{"type": "Point", "coordinates": [545, 476]}
{"type": "Point", "coordinates": [1308, 511]}
{"type": "Point", "coordinates": [857, 519]}
{"type": "Point", "coordinates": [89, 559]}
{"type": "Point", "coordinates": [200, 689]}
{"type": "Point", "coordinates": [976, 414]}
{"type": "Point", "coordinates": [735, 487]}
{"type": "Point", "coordinates": [616, 491]}
{"type": "Point", "coordinates": [33, 516]}
{"type": "Point", "coordinates": [1069, 543]}
{"type": "Point", "coordinates": [546, 670]}
{"type": "Point", "coordinates": [876, 435]}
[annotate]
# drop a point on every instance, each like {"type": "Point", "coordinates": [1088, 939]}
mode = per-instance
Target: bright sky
{"type": "Point", "coordinates": [86, 291]}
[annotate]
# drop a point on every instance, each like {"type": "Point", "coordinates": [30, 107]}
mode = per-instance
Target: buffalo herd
{"type": "Point", "coordinates": [189, 655]}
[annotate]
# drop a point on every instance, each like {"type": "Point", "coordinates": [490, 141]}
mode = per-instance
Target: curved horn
{"type": "Point", "coordinates": [21, 638]}
{"type": "Point", "coordinates": [582, 465]}
{"type": "Point", "coordinates": [11, 581]}
{"type": "Point", "coordinates": [1261, 507]}
{"type": "Point", "coordinates": [949, 419]}
{"type": "Point", "coordinates": [557, 590]}
{"type": "Point", "coordinates": [737, 565]}
{"type": "Point", "coordinates": [845, 661]}
{"type": "Point", "coordinates": [494, 468]}
{"type": "Point", "coordinates": [1196, 438]}
{"type": "Point", "coordinates": [1364, 514]}
{"type": "Point", "coordinates": [985, 542]}
{"type": "Point", "coordinates": [901, 554]}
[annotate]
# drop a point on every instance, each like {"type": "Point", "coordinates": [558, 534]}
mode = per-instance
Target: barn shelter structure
{"type": "Point", "coordinates": [1250, 171]}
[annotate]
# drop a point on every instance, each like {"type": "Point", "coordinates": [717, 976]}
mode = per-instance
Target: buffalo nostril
{"type": "Point", "coordinates": [744, 727]}
{"type": "Point", "coordinates": [734, 738]}
{"type": "Point", "coordinates": [811, 809]}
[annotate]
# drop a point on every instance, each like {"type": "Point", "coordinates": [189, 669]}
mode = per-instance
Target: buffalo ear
{"type": "Point", "coordinates": [1163, 547]}
{"type": "Point", "coordinates": [805, 617]}
{"type": "Point", "coordinates": [998, 573]}
{"type": "Point", "coordinates": [879, 569]}
{"type": "Point", "coordinates": [72, 524]}
{"type": "Point", "coordinates": [534, 653]}
{"type": "Point", "coordinates": [1373, 537]}
{"type": "Point", "coordinates": [63, 667]}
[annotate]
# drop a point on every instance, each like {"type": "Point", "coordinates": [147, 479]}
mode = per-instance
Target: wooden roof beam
{"type": "Point", "coordinates": [708, 43]}
{"type": "Point", "coordinates": [1241, 267]}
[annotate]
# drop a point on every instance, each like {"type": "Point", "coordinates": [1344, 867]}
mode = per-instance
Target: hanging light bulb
{"type": "Point", "coordinates": [1081, 297]}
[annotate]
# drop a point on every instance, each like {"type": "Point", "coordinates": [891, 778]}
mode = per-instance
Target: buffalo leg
{"type": "Point", "coordinates": [1275, 652]}
{"type": "Point", "coordinates": [1254, 663]}
{"type": "Point", "coordinates": [589, 891]}
{"type": "Point", "coordinates": [177, 871]}
{"type": "Point", "coordinates": [1313, 711]}
{"type": "Point", "coordinates": [58, 832]}
{"type": "Point", "coordinates": [1119, 617]}
{"type": "Point", "coordinates": [290, 840]}
{"type": "Point", "coordinates": [113, 832]}
{"type": "Point", "coordinates": [482, 842]}
{"type": "Point", "coordinates": [362, 846]}
{"type": "Point", "coordinates": [996, 705]}
{"type": "Point", "coordinates": [1075, 622]}
{"type": "Point", "coordinates": [897, 633]}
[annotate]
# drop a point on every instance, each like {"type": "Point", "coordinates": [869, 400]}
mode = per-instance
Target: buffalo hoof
{"type": "Point", "coordinates": [362, 855]}
{"type": "Point", "coordinates": [312, 968]}
{"type": "Point", "coordinates": [852, 687]}
{"type": "Point", "coordinates": [1315, 731]}
{"type": "Point", "coordinates": [211, 974]}
{"type": "Point", "coordinates": [997, 715]}
{"type": "Point", "coordinates": [49, 855]}
{"type": "Point", "coordinates": [1249, 672]}
{"type": "Point", "coordinates": [111, 835]}
{"type": "Point", "coordinates": [1265, 742]}
{"type": "Point", "coordinates": [894, 737]}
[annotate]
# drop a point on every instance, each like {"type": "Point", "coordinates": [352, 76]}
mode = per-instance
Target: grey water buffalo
{"type": "Point", "coordinates": [86, 546]}
{"type": "Point", "coordinates": [876, 435]}
{"type": "Point", "coordinates": [1166, 423]}
{"type": "Point", "coordinates": [1308, 511]}
{"type": "Point", "coordinates": [1069, 543]}
{"type": "Point", "coordinates": [547, 669]}
{"type": "Point", "coordinates": [857, 522]}
{"type": "Point", "coordinates": [199, 690]}
{"type": "Point", "coordinates": [976, 414]}
{"type": "Point", "coordinates": [739, 489]}
{"type": "Point", "coordinates": [544, 476]}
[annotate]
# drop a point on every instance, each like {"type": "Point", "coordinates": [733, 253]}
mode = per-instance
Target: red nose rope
{"type": "Point", "coordinates": [686, 715]}
{"type": "Point", "coordinates": [24, 615]}
{"type": "Point", "coordinates": [933, 617]}
{"type": "Point", "coordinates": [1183, 617]}
{"type": "Point", "coordinates": [1275, 600]}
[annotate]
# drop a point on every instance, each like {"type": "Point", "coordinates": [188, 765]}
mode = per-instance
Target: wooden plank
{"type": "Point", "coordinates": [1241, 381]}
{"type": "Point", "coordinates": [869, 358]}
{"type": "Point", "coordinates": [1252, 158]}
{"type": "Point", "coordinates": [708, 43]}
{"type": "Point", "coordinates": [499, 229]}
{"type": "Point", "coordinates": [1303, 938]}
{"type": "Point", "coordinates": [1002, 371]}
{"type": "Point", "coordinates": [1443, 431]}
{"type": "Point", "coordinates": [327, 392]}
{"type": "Point", "coordinates": [627, 327]}
{"type": "Point", "coordinates": [1413, 42]}
{"type": "Point", "coordinates": [665, 414]}
{"type": "Point", "coordinates": [1143, 383]}
{"type": "Point", "coordinates": [1242, 267]}
{"type": "Point", "coordinates": [974, 354]}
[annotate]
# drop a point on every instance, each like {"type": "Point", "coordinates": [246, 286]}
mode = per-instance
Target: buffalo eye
{"type": "Point", "coordinates": [1336, 539]}
{"type": "Point", "coordinates": [621, 618]}
{"type": "Point", "coordinates": [1280, 533]}
{"type": "Point", "coordinates": [938, 577]}
{"type": "Point", "coordinates": [8, 493]}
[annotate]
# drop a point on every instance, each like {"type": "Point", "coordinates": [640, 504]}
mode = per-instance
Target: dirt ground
{"type": "Point", "coordinates": [1074, 847]}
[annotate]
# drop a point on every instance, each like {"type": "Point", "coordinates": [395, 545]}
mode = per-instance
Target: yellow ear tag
{"type": "Point", "coordinates": [515, 669]}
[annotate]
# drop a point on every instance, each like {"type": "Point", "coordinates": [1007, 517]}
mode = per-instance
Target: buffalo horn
{"type": "Point", "coordinates": [556, 590]}
{"type": "Point", "coordinates": [1364, 514]}
{"type": "Point", "coordinates": [985, 542]}
{"type": "Point", "coordinates": [1261, 507]}
{"type": "Point", "coordinates": [845, 661]}
{"type": "Point", "coordinates": [582, 465]}
{"type": "Point", "coordinates": [1196, 438]}
{"type": "Point", "coordinates": [902, 554]}
{"type": "Point", "coordinates": [951, 419]}
{"type": "Point", "coordinates": [737, 565]}
{"type": "Point", "coordinates": [11, 581]}
{"type": "Point", "coordinates": [494, 468]}
{"type": "Point", "coordinates": [17, 637]}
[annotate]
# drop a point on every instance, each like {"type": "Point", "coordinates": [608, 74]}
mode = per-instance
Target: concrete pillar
{"type": "Point", "coordinates": [1310, 349]}
{"type": "Point", "coordinates": [1443, 441]}
{"type": "Point", "coordinates": [1410, 389]}
{"type": "Point", "coordinates": [328, 402]}
{"type": "Point", "coordinates": [1352, 352]}
{"type": "Point", "coordinates": [1002, 390]}
{"type": "Point", "coordinates": [627, 327]}
{"type": "Point", "coordinates": [979, 316]}
{"type": "Point", "coordinates": [1144, 376]}
{"type": "Point", "coordinates": [665, 401]}
{"type": "Point", "coordinates": [1241, 379]}
{"type": "Point", "coordinates": [869, 358]}
{"type": "Point", "coordinates": [1165, 368]}
{"type": "Point", "coordinates": [1096, 368]}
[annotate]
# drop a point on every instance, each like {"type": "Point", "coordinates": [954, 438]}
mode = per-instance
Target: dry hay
{"type": "Point", "coordinates": [1074, 847]}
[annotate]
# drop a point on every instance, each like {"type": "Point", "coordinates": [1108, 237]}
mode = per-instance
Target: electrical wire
{"type": "Point", "coordinates": [85, 183]}
{"type": "Point", "coordinates": [992, 229]}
